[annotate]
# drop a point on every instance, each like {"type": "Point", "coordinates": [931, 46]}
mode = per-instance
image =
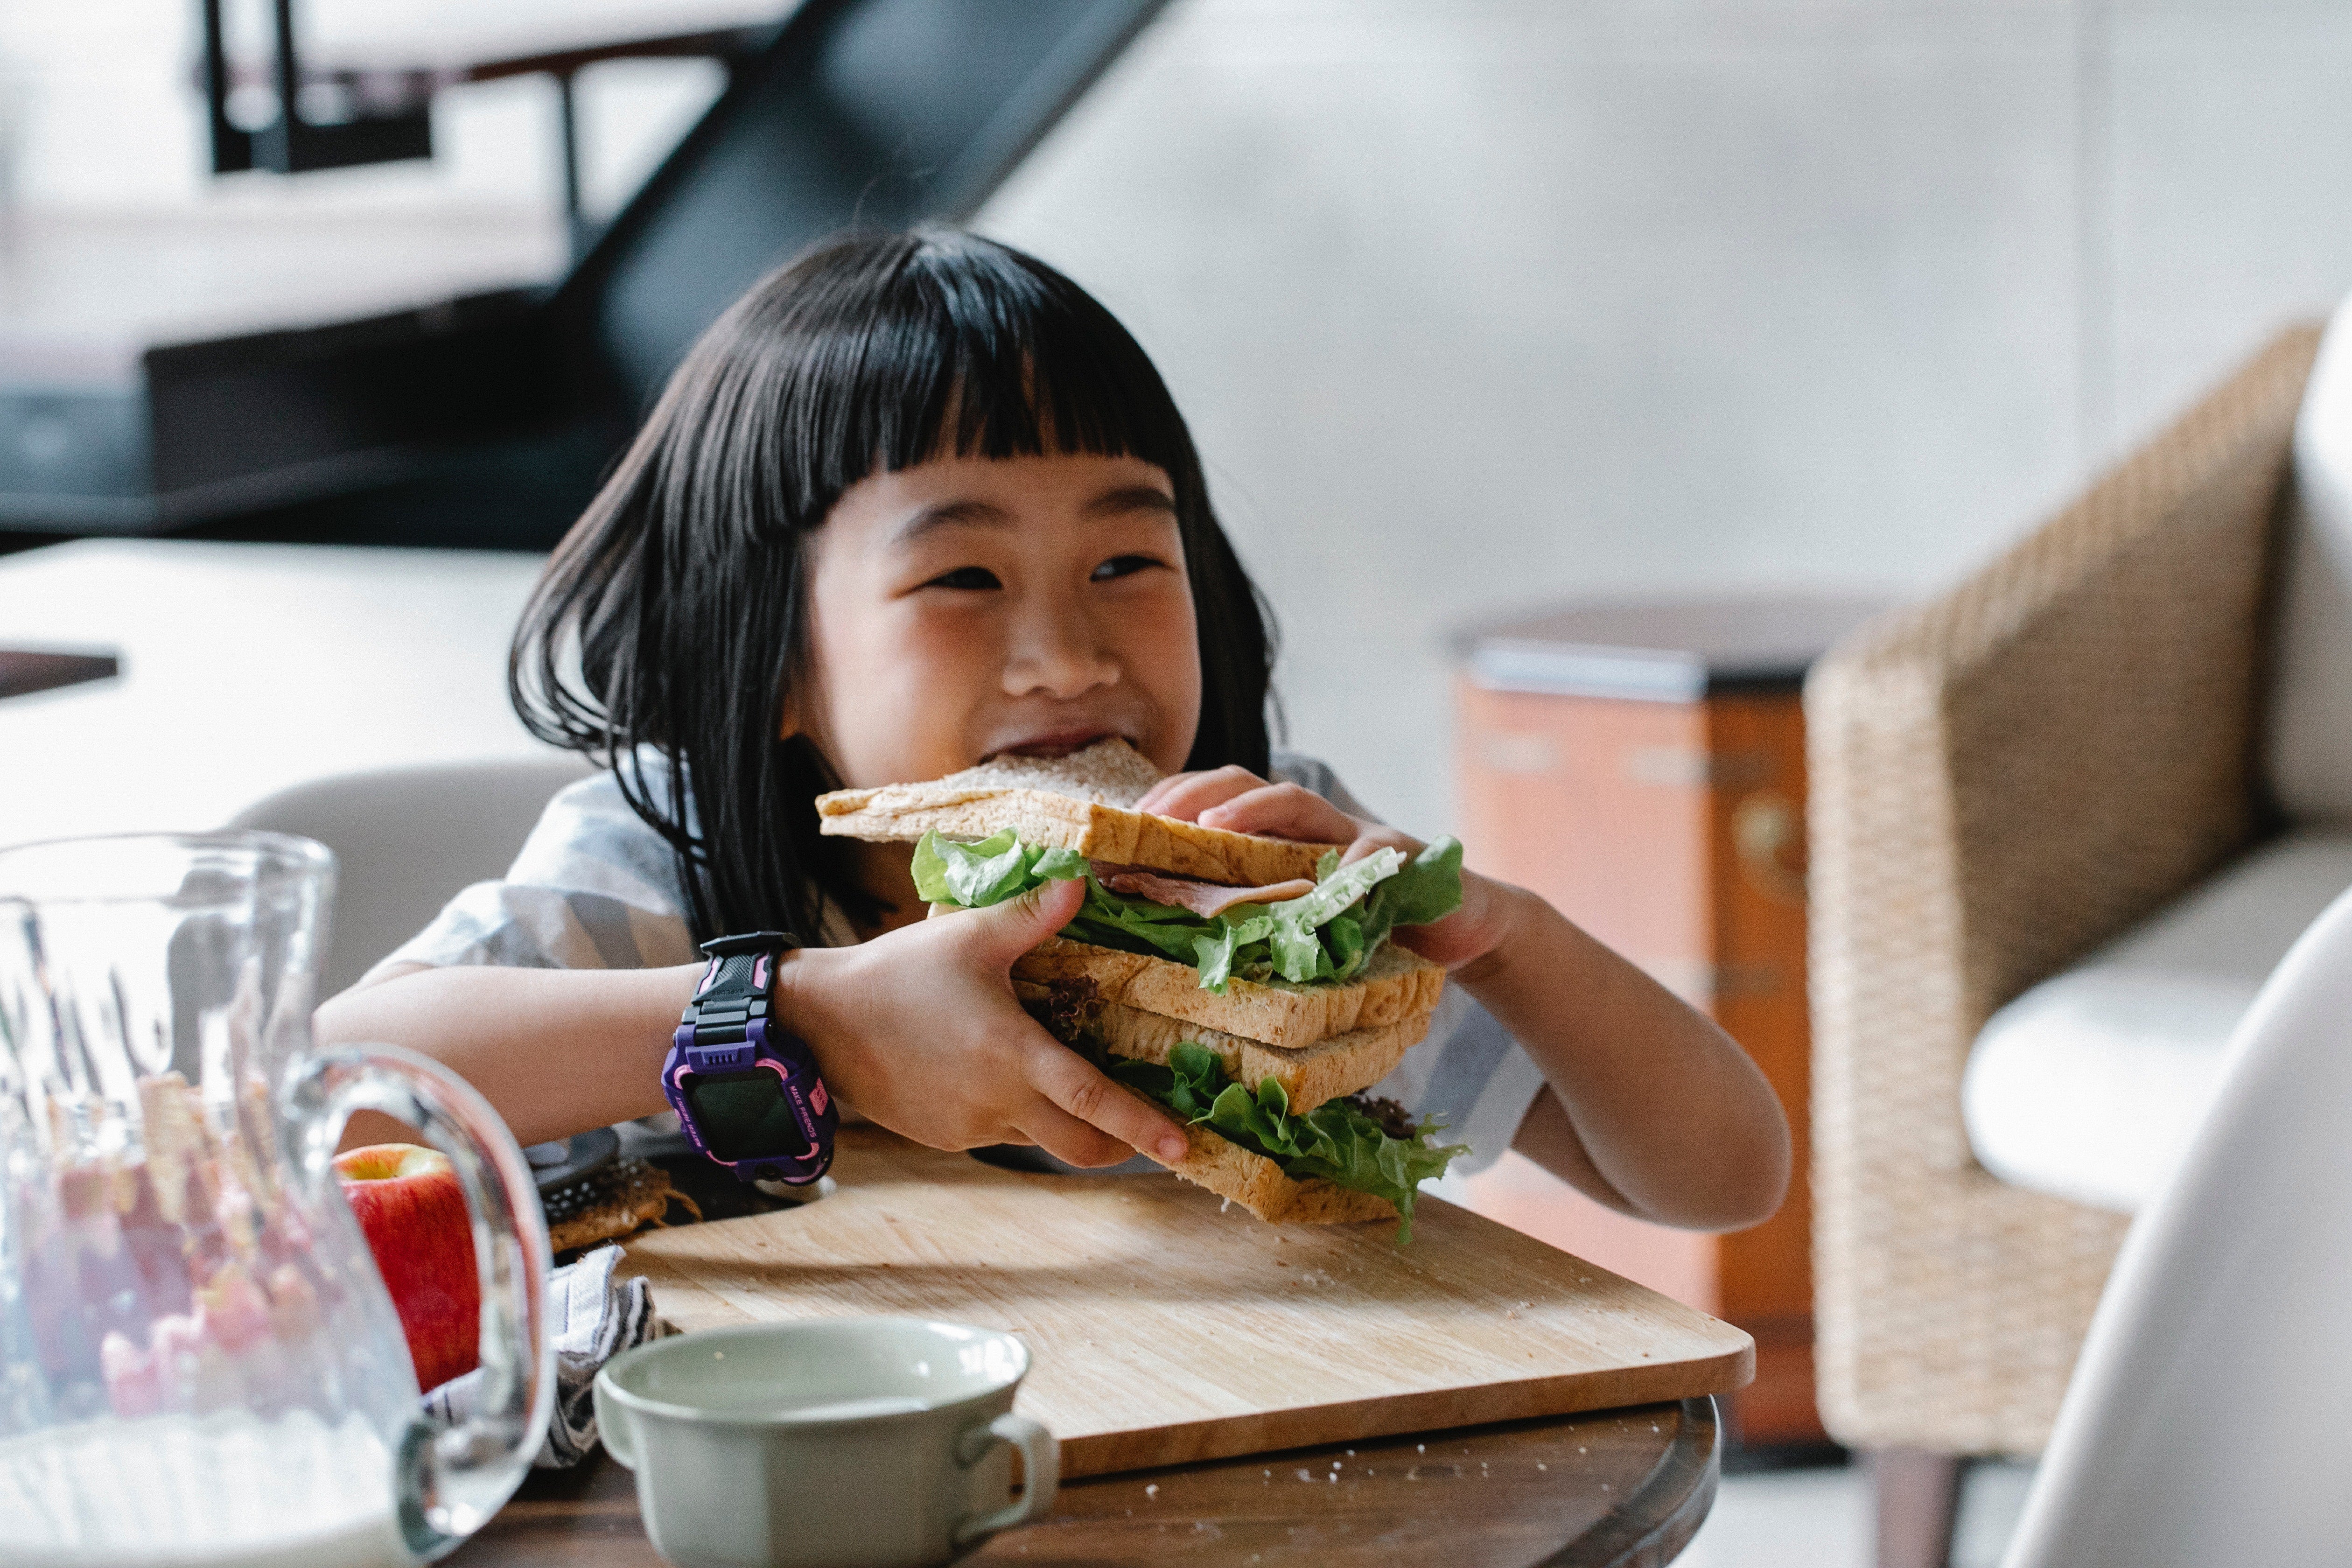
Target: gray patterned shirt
{"type": "Point", "coordinates": [595, 887]}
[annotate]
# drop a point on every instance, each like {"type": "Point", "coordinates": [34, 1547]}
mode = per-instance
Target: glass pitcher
{"type": "Point", "coordinates": [198, 1362]}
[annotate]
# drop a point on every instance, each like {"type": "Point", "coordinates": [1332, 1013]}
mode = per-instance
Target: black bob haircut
{"type": "Point", "coordinates": [672, 619]}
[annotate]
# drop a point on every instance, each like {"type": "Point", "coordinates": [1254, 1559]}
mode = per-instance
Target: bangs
{"type": "Point", "coordinates": [950, 345]}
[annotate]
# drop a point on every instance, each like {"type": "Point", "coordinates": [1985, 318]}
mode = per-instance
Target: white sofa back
{"type": "Point", "coordinates": [2310, 743]}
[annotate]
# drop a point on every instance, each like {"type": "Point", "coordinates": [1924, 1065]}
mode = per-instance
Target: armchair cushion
{"type": "Point", "coordinates": [2311, 699]}
{"type": "Point", "coordinates": [2088, 1086]}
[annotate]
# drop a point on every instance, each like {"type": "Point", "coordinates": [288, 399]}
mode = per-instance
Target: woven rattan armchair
{"type": "Point", "coordinates": [2002, 778]}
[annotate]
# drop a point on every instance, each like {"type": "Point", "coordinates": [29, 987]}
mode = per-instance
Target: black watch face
{"type": "Point", "coordinates": [744, 1115]}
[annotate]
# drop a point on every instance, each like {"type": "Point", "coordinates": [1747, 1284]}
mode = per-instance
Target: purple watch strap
{"type": "Point", "coordinates": [727, 1032]}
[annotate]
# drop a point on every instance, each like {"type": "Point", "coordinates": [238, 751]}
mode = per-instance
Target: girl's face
{"type": "Point", "coordinates": [969, 606]}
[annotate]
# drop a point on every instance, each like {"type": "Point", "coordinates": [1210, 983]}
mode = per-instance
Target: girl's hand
{"type": "Point", "coordinates": [1240, 802]}
{"type": "Point", "coordinates": [919, 1030]}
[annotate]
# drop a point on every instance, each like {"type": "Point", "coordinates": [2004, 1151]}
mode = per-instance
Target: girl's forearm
{"type": "Point", "coordinates": [554, 1051]}
{"type": "Point", "coordinates": [919, 1030]}
{"type": "Point", "coordinates": [1653, 1109]}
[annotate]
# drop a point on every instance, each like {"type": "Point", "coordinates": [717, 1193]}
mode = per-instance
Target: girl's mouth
{"type": "Point", "coordinates": [1060, 743]}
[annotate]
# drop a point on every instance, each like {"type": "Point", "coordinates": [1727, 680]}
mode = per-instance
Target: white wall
{"type": "Point", "coordinates": [1484, 303]}
{"type": "Point", "coordinates": [1476, 303]}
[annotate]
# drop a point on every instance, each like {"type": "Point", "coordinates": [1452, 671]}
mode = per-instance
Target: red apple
{"type": "Point", "coordinates": [413, 1214]}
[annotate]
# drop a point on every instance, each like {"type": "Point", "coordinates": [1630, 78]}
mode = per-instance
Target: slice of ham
{"type": "Point", "coordinates": [1204, 899]}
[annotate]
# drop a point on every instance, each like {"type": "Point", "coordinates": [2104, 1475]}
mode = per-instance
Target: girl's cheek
{"type": "Point", "coordinates": [923, 682]}
{"type": "Point", "coordinates": [1162, 652]}
{"type": "Point", "coordinates": [949, 649]}
{"type": "Point", "coordinates": [876, 665]}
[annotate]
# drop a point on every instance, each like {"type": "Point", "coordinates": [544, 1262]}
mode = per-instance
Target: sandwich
{"type": "Point", "coordinates": [1247, 985]}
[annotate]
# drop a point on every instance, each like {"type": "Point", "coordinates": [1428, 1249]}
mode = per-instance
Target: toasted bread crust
{"type": "Point", "coordinates": [1257, 1183]}
{"type": "Point", "coordinates": [1397, 987]}
{"type": "Point", "coordinates": [1332, 1067]}
{"type": "Point", "coordinates": [1083, 802]}
{"type": "Point", "coordinates": [1100, 832]}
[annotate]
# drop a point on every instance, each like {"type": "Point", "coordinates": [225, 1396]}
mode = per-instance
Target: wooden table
{"type": "Point", "coordinates": [1616, 1487]}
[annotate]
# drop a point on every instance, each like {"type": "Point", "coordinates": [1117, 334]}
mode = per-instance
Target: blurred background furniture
{"type": "Point", "coordinates": [407, 839]}
{"type": "Point", "coordinates": [469, 396]}
{"type": "Point", "coordinates": [1642, 766]}
{"type": "Point", "coordinates": [246, 668]}
{"type": "Point", "coordinates": [2037, 801]}
{"type": "Point", "coordinates": [24, 672]}
{"type": "Point", "coordinates": [2202, 1425]}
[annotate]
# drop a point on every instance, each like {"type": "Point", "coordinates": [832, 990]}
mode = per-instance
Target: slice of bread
{"type": "Point", "coordinates": [1310, 1075]}
{"type": "Point", "coordinates": [1398, 986]}
{"type": "Point", "coordinates": [1257, 1183]}
{"type": "Point", "coordinates": [1084, 801]}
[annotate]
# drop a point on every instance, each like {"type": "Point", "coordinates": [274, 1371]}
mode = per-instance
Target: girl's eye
{"type": "Point", "coordinates": [1122, 566]}
{"type": "Point", "coordinates": [971, 577]}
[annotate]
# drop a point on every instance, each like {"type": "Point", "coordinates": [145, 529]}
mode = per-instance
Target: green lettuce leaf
{"type": "Point", "coordinates": [1338, 889]}
{"type": "Point", "coordinates": [1330, 934]}
{"type": "Point", "coordinates": [1334, 1141]}
{"type": "Point", "coordinates": [988, 872]}
{"type": "Point", "coordinates": [1426, 889]}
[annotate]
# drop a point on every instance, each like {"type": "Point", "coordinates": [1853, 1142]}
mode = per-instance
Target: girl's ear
{"type": "Point", "coordinates": [802, 710]}
{"type": "Point", "coordinates": [792, 714]}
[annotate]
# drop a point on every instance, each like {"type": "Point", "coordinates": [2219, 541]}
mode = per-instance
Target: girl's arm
{"type": "Point", "coordinates": [1649, 1107]}
{"type": "Point", "coordinates": [555, 1051]}
{"type": "Point", "coordinates": [917, 1029]}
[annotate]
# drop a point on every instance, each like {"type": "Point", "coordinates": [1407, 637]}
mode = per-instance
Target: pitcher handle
{"type": "Point", "coordinates": [451, 1480]}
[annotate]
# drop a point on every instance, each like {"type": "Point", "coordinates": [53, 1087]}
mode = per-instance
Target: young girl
{"type": "Point", "coordinates": [917, 501]}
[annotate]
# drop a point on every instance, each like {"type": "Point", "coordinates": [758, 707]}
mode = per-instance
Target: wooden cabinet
{"type": "Point", "coordinates": [1642, 768]}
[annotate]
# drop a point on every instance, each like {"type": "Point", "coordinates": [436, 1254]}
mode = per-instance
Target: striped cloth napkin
{"type": "Point", "coordinates": [590, 1320]}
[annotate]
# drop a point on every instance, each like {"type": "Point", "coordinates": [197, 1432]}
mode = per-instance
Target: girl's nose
{"type": "Point", "coordinates": [1058, 657]}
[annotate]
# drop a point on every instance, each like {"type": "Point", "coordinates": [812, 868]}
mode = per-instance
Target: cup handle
{"type": "Point", "coordinates": [613, 1427]}
{"type": "Point", "coordinates": [451, 1480]}
{"type": "Point", "coordinates": [1040, 1463]}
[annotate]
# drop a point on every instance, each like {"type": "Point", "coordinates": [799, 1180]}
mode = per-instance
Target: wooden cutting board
{"type": "Point", "coordinates": [1166, 1330]}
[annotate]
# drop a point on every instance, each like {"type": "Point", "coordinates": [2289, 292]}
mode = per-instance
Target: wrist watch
{"type": "Point", "coordinates": [746, 1093]}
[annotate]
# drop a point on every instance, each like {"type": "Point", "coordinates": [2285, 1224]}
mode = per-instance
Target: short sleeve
{"type": "Point", "coordinates": [594, 887]}
{"type": "Point", "coordinates": [1468, 1072]}
{"type": "Point", "coordinates": [1471, 1076]}
{"type": "Point", "coordinates": [1314, 774]}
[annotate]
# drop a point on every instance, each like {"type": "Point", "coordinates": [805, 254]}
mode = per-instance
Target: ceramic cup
{"type": "Point", "coordinates": [832, 1443]}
